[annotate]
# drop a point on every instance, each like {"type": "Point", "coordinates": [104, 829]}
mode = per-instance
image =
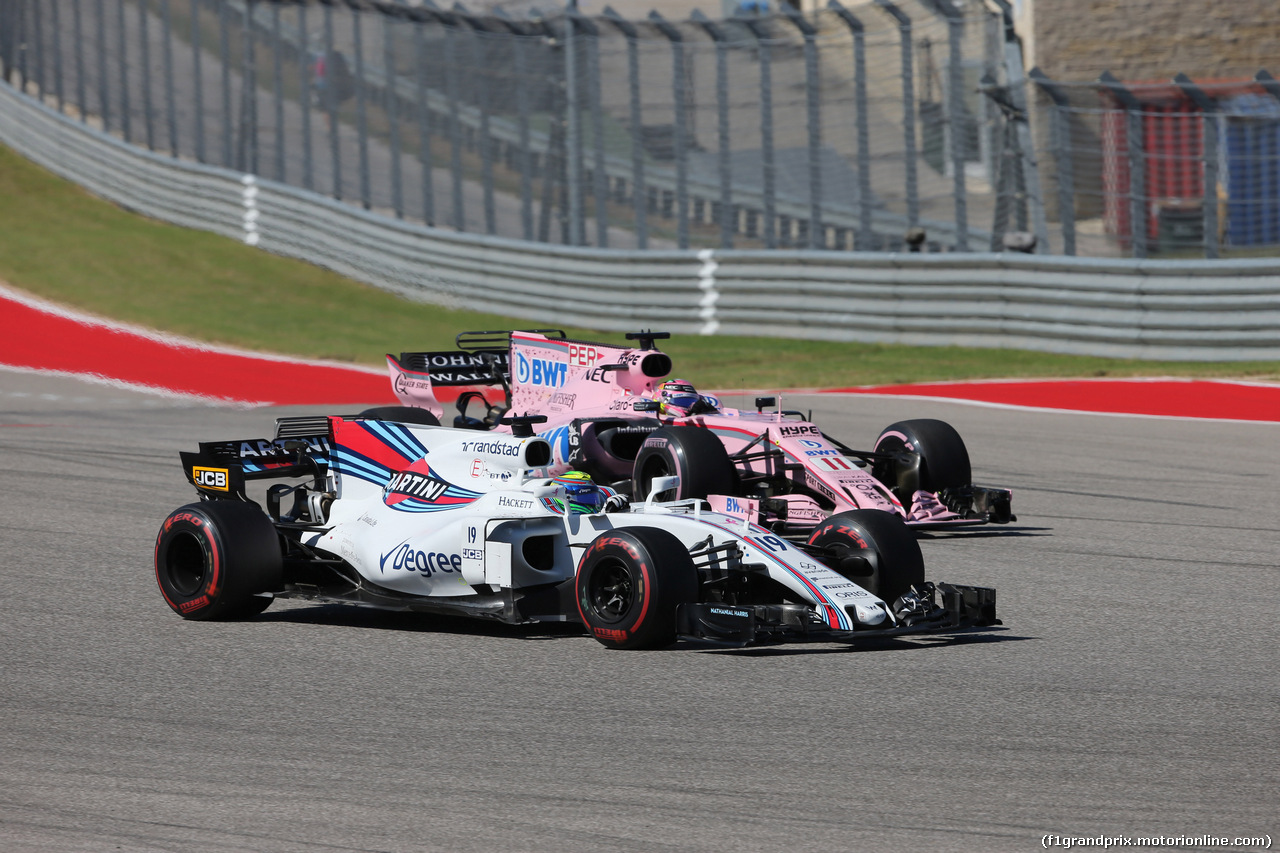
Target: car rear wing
{"type": "Point", "coordinates": [219, 470]}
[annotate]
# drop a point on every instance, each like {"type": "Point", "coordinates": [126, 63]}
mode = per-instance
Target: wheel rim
{"type": "Point", "coordinates": [611, 590]}
{"type": "Point", "coordinates": [185, 561]}
{"type": "Point", "coordinates": [655, 467]}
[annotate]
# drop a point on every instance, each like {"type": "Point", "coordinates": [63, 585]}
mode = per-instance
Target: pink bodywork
{"type": "Point", "coordinates": [566, 380]}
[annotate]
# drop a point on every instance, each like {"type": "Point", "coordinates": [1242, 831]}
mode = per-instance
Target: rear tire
{"type": "Point", "coordinates": [630, 583]}
{"type": "Point", "coordinates": [402, 415]}
{"type": "Point", "coordinates": [891, 552]}
{"type": "Point", "coordinates": [213, 558]}
{"type": "Point", "coordinates": [694, 454]}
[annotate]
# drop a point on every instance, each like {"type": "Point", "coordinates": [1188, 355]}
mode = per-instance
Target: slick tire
{"type": "Point", "coordinates": [630, 583]}
{"type": "Point", "coordinates": [944, 460]}
{"type": "Point", "coordinates": [402, 415]}
{"type": "Point", "coordinates": [892, 562]}
{"type": "Point", "coordinates": [694, 454]}
{"type": "Point", "coordinates": [213, 558]}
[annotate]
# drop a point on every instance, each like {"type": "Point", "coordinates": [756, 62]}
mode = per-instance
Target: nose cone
{"type": "Point", "coordinates": [869, 614]}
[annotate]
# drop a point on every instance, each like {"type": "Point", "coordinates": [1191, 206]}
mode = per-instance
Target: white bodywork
{"type": "Point", "coordinates": [440, 512]}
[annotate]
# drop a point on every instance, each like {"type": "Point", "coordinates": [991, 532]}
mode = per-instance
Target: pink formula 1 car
{"type": "Point", "coordinates": [614, 413]}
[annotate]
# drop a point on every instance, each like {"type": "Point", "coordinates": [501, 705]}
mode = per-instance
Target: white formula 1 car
{"type": "Point", "coordinates": [438, 520]}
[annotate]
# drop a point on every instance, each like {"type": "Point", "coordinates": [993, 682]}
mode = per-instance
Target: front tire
{"type": "Point", "coordinates": [944, 460]}
{"type": "Point", "coordinates": [693, 454]}
{"type": "Point", "coordinates": [891, 562]}
{"type": "Point", "coordinates": [630, 583]}
{"type": "Point", "coordinates": [213, 558]}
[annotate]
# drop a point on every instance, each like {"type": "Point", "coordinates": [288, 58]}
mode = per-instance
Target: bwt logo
{"type": "Point", "coordinates": [540, 371]}
{"type": "Point", "coordinates": [211, 478]}
{"type": "Point", "coordinates": [732, 506]}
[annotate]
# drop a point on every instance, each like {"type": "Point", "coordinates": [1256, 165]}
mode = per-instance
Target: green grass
{"type": "Point", "coordinates": [60, 243]}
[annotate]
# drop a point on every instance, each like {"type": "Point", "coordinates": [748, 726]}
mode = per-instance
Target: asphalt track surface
{"type": "Point", "coordinates": [1133, 691]}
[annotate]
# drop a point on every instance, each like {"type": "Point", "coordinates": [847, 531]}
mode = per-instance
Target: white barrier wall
{"type": "Point", "coordinates": [1176, 310]}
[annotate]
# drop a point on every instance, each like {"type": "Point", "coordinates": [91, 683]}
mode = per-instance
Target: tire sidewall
{"type": "Point", "coordinates": [944, 459]}
{"type": "Point", "coordinates": [660, 581]}
{"type": "Point", "coordinates": [237, 551]}
{"type": "Point", "coordinates": [889, 545]}
{"type": "Point", "coordinates": [694, 454]}
{"type": "Point", "coordinates": [183, 530]}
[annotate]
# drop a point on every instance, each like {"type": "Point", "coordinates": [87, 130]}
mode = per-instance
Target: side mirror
{"type": "Point", "coordinates": [546, 490]}
{"type": "Point", "coordinates": [660, 485]}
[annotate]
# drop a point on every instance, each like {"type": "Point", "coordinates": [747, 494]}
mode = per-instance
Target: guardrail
{"type": "Point", "coordinates": [1177, 310]}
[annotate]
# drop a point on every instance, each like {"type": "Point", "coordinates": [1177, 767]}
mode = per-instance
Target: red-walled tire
{"type": "Point", "coordinates": [892, 560]}
{"type": "Point", "coordinates": [213, 558]}
{"type": "Point", "coordinates": [630, 583]}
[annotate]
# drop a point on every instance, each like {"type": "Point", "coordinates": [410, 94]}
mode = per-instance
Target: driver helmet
{"type": "Point", "coordinates": [678, 397]}
{"type": "Point", "coordinates": [582, 495]}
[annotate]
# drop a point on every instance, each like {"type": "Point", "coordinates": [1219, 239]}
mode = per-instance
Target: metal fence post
{"type": "Point", "coordinates": [124, 74]}
{"type": "Point", "coordinates": [599, 180]}
{"type": "Point", "coordinates": [36, 40]}
{"type": "Point", "coordinates": [722, 126]}
{"type": "Point", "coordinates": [8, 40]}
{"type": "Point", "coordinates": [865, 239]}
{"type": "Point", "coordinates": [330, 104]}
{"type": "Point", "coordinates": [247, 151]}
{"type": "Point", "coordinates": [572, 129]}
{"type": "Point", "coordinates": [77, 28]}
{"type": "Point", "coordinates": [450, 29]}
{"type": "Point", "coordinates": [956, 113]}
{"type": "Point", "coordinates": [56, 25]}
{"type": "Point", "coordinates": [277, 91]}
{"type": "Point", "coordinates": [1060, 136]}
{"type": "Point", "coordinates": [144, 45]}
{"type": "Point", "coordinates": [760, 30]}
{"type": "Point", "coordinates": [20, 39]}
{"type": "Point", "coordinates": [224, 56]}
{"type": "Point", "coordinates": [484, 140]}
{"type": "Point", "coordinates": [908, 113]}
{"type": "Point", "coordinates": [424, 118]}
{"type": "Point", "coordinates": [391, 103]}
{"type": "Point", "coordinates": [520, 37]}
{"type": "Point", "coordinates": [639, 191]}
{"type": "Point", "coordinates": [170, 102]}
{"type": "Point", "coordinates": [1209, 135]}
{"type": "Point", "coordinates": [1135, 147]}
{"type": "Point", "coordinates": [554, 163]}
{"type": "Point", "coordinates": [362, 119]}
{"type": "Point", "coordinates": [305, 88]}
{"type": "Point", "coordinates": [813, 107]}
{"type": "Point", "coordinates": [196, 50]}
{"type": "Point", "coordinates": [679, 142]}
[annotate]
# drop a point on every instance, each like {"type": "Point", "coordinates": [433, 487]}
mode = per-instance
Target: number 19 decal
{"type": "Point", "coordinates": [773, 543]}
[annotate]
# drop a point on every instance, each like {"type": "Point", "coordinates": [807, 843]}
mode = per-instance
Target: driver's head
{"type": "Point", "coordinates": [581, 494]}
{"type": "Point", "coordinates": [677, 396]}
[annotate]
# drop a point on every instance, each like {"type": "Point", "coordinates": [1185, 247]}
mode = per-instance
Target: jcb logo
{"type": "Point", "coordinates": [211, 478]}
